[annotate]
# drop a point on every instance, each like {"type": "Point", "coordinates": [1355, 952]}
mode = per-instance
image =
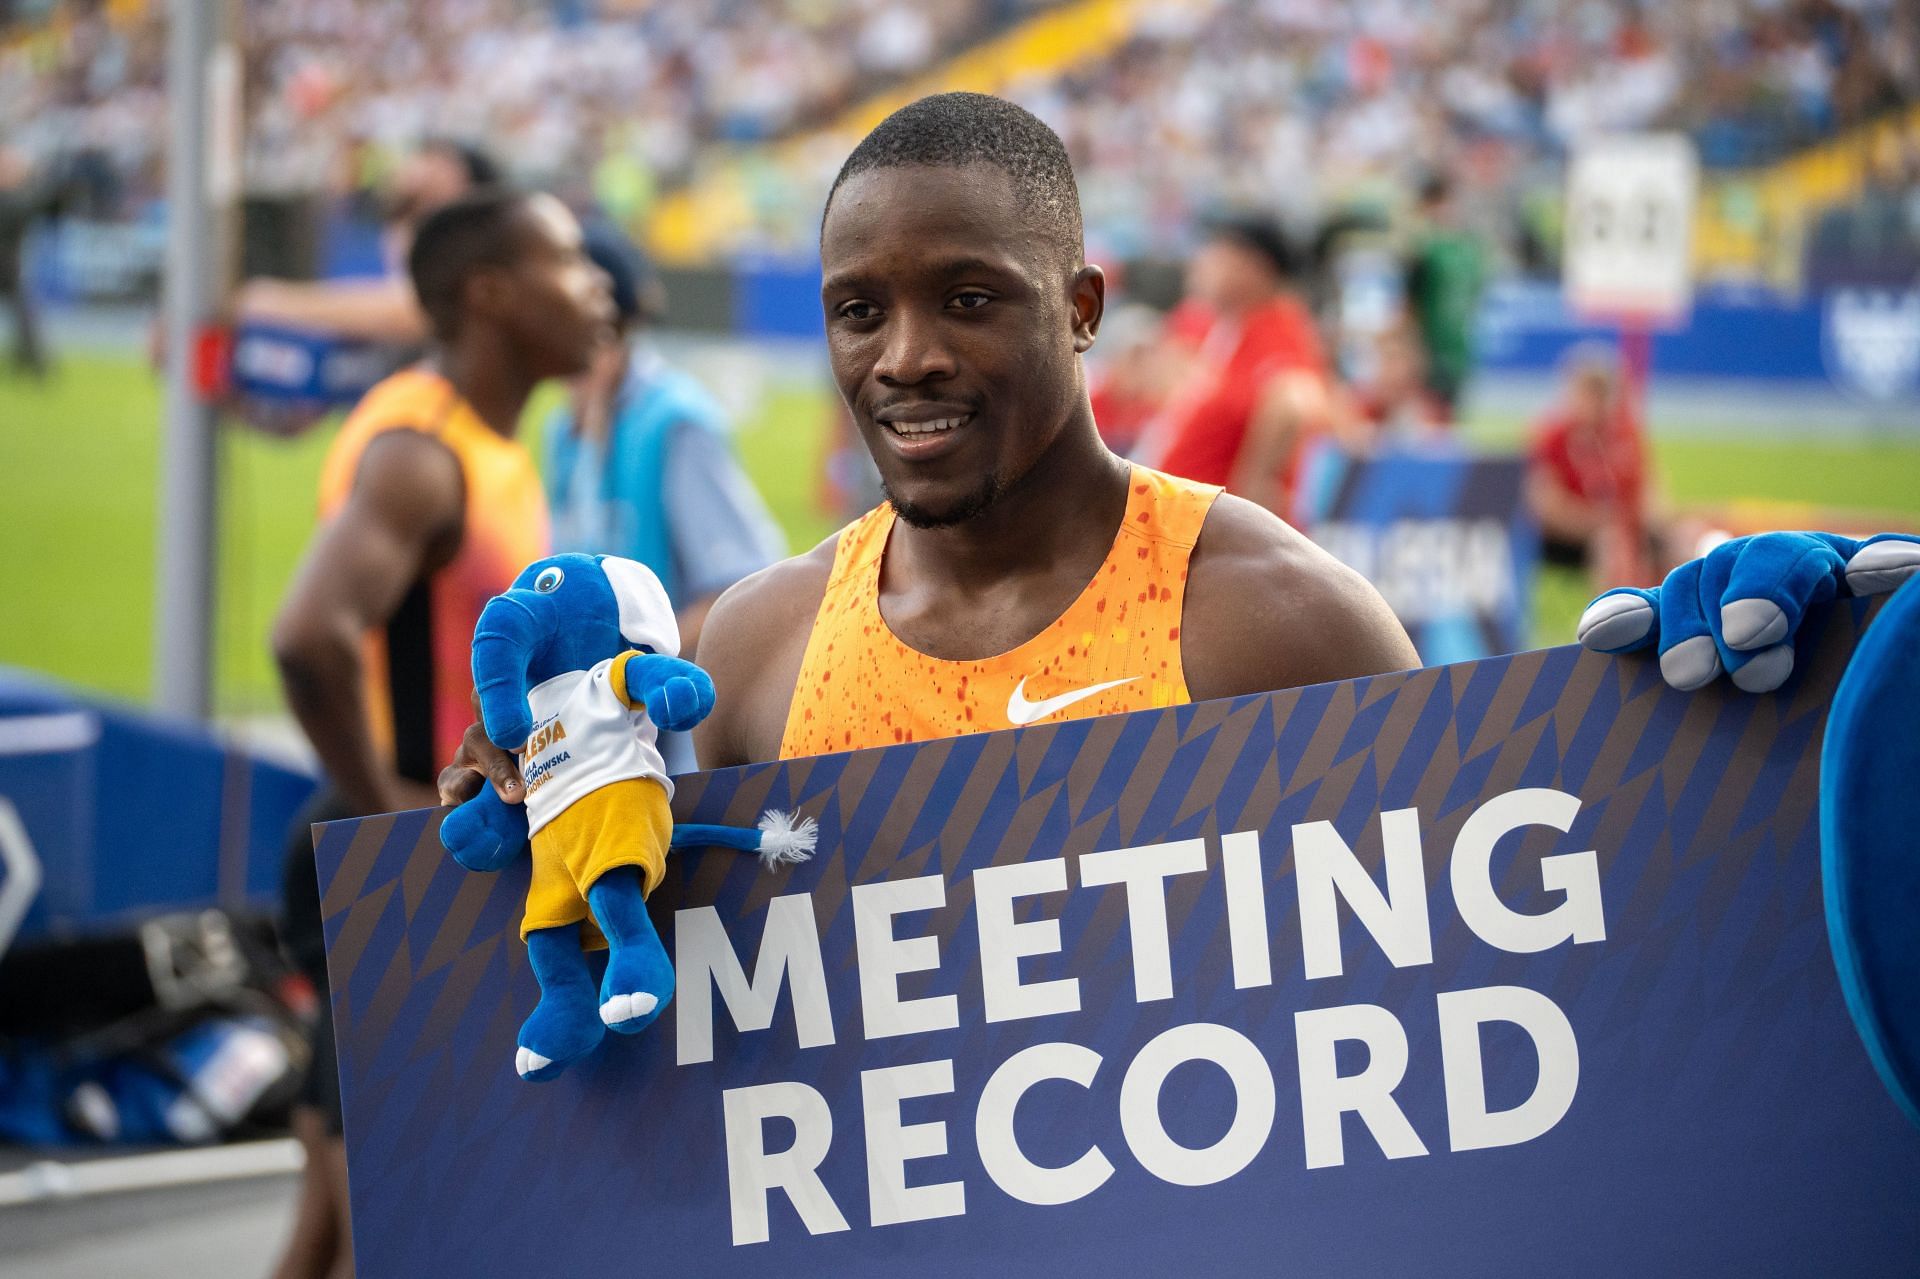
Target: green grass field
{"type": "Point", "coordinates": [78, 468]}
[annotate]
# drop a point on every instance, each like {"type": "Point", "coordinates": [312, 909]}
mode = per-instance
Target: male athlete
{"type": "Point", "coordinates": [429, 508]}
{"type": "Point", "coordinates": [1019, 572]}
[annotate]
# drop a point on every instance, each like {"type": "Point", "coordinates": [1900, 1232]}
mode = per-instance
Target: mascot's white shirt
{"type": "Point", "coordinates": [584, 737]}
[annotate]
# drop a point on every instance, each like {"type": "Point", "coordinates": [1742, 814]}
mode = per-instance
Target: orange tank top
{"type": "Point", "coordinates": [1116, 648]}
{"type": "Point", "coordinates": [418, 667]}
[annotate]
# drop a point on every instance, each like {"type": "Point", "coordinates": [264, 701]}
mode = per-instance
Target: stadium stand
{"type": "Point", "coordinates": [720, 125]}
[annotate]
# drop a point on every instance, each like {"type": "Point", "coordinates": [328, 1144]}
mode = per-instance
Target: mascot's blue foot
{"type": "Point", "coordinates": [563, 1026]}
{"type": "Point", "coordinates": [639, 979]}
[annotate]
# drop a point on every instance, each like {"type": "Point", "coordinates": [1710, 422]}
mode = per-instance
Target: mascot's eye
{"type": "Point", "coordinates": [549, 580]}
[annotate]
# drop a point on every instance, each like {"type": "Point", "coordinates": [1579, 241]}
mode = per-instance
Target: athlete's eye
{"type": "Point", "coordinates": [972, 300]}
{"type": "Point", "coordinates": [549, 580]}
{"type": "Point", "coordinates": [857, 311]}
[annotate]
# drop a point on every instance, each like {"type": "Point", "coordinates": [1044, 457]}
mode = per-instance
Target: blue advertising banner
{"type": "Point", "coordinates": [280, 364]}
{"type": "Point", "coordinates": [1446, 536]}
{"type": "Point", "coordinates": [1513, 967]}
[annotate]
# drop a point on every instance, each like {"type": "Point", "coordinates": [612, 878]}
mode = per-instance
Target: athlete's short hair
{"type": "Point", "coordinates": [974, 128]}
{"type": "Point", "coordinates": [477, 231]}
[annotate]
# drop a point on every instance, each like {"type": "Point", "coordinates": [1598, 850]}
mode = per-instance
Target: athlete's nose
{"type": "Point", "coordinates": [913, 351]}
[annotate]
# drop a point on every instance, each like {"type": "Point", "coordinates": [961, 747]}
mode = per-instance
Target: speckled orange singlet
{"type": "Point", "coordinates": [1116, 648]}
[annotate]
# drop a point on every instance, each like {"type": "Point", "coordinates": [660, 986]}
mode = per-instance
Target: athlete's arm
{"type": "Point", "coordinates": [752, 645]}
{"type": "Point", "coordinates": [1267, 609]}
{"type": "Point", "coordinates": [403, 519]}
{"type": "Point", "coordinates": [370, 310]}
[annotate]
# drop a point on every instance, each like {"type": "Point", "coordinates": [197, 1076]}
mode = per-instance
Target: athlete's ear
{"type": "Point", "coordinates": [488, 293]}
{"type": "Point", "coordinates": [1089, 292]}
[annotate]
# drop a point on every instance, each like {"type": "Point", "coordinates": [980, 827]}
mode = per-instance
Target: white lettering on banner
{"type": "Point", "coordinates": [1246, 909]}
{"type": "Point", "coordinates": [703, 958]}
{"type": "Point", "coordinates": [1253, 1104]}
{"type": "Point", "coordinates": [1578, 918]}
{"type": "Point", "coordinates": [1144, 871]}
{"type": "Point", "coordinates": [999, 1145]}
{"type": "Point", "coordinates": [1394, 911]}
{"type": "Point", "coordinates": [1004, 943]}
{"type": "Point", "coordinates": [891, 1143]}
{"type": "Point", "coordinates": [1326, 1094]}
{"type": "Point", "coordinates": [1323, 864]}
{"type": "Point", "coordinates": [1428, 569]}
{"type": "Point", "coordinates": [1470, 1126]}
{"type": "Point", "coordinates": [752, 1172]}
{"type": "Point", "coordinates": [884, 956]}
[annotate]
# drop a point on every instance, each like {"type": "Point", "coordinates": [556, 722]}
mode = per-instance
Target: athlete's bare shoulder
{"type": "Point", "coordinates": [1267, 609]}
{"type": "Point", "coordinates": [752, 643]}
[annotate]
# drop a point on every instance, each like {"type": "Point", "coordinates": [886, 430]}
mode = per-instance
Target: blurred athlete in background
{"type": "Point", "coordinates": [429, 507]}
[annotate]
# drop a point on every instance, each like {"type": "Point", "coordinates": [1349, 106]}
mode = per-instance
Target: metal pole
{"type": "Point", "coordinates": [202, 181]}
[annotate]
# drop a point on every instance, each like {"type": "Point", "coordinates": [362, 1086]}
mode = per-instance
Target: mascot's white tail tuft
{"type": "Point", "coordinates": [786, 838]}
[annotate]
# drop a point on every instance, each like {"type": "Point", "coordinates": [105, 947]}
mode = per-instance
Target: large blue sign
{"type": "Point", "coordinates": [1515, 967]}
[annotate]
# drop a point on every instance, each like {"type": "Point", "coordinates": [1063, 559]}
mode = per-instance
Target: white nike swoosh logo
{"type": "Point", "coordinates": [1022, 711]}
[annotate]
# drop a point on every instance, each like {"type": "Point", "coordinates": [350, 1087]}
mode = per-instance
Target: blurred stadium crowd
{"type": "Point", "coordinates": [1298, 106]}
{"type": "Point", "coordinates": [622, 93]}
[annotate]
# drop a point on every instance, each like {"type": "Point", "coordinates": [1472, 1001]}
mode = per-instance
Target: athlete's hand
{"type": "Point", "coordinates": [1737, 608]}
{"type": "Point", "coordinates": [477, 762]}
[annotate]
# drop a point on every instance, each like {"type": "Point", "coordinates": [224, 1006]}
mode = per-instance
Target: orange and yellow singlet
{"type": "Point", "coordinates": [1116, 648]}
{"type": "Point", "coordinates": [419, 672]}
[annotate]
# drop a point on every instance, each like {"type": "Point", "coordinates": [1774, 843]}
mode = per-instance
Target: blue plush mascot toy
{"type": "Point", "coordinates": [577, 668]}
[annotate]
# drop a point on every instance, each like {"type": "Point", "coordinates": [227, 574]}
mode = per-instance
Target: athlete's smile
{"type": "Point", "coordinates": [919, 432]}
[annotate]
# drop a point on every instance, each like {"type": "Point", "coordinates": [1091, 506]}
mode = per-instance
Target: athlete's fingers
{"type": "Point", "coordinates": [479, 758]}
{"type": "Point", "coordinates": [1623, 620]}
{"type": "Point", "coordinates": [457, 784]}
{"type": "Point", "coordinates": [1689, 655]}
{"type": "Point", "coordinates": [1882, 563]}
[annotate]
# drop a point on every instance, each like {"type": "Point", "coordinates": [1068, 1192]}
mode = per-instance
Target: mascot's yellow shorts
{"type": "Point", "coordinates": [623, 824]}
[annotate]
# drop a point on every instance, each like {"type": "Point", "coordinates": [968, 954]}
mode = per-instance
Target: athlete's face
{"type": "Point", "coordinates": [557, 305]}
{"type": "Point", "coordinates": [955, 326]}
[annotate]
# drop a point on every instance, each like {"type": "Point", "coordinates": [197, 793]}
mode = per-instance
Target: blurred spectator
{"type": "Point", "coordinates": [1445, 274]}
{"type": "Point", "coordinates": [1260, 380]}
{"type": "Point", "coordinates": [638, 464]}
{"type": "Point", "coordinates": [25, 197]}
{"type": "Point", "coordinates": [383, 310]}
{"type": "Point", "coordinates": [1397, 405]}
{"type": "Point", "coordinates": [1588, 478]}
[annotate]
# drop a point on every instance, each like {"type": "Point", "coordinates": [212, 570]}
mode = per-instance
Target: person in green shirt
{"type": "Point", "coordinates": [1445, 273]}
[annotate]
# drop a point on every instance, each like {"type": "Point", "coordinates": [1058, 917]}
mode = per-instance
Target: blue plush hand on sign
{"type": "Point", "coordinates": [678, 694]}
{"type": "Point", "coordinates": [1737, 608]}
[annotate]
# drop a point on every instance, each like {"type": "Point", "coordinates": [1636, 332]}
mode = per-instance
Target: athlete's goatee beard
{"type": "Point", "coordinates": [989, 492]}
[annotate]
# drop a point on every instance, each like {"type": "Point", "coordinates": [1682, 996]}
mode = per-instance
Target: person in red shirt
{"type": "Point", "coordinates": [1588, 478]}
{"type": "Point", "coordinates": [1261, 380]}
